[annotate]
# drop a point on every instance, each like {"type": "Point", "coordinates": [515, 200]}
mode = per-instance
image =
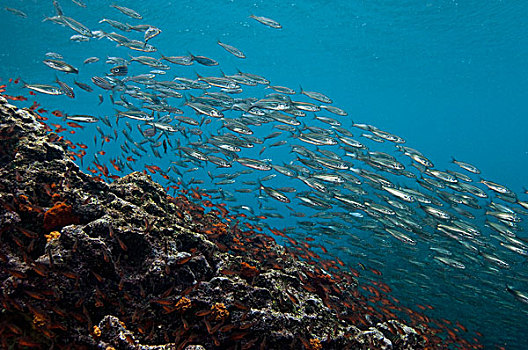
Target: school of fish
{"type": "Point", "coordinates": [268, 150]}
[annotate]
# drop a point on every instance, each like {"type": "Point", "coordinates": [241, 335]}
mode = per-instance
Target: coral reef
{"type": "Point", "coordinates": [126, 266]}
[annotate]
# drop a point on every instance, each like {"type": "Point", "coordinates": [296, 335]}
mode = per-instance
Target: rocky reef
{"type": "Point", "coordinates": [89, 265]}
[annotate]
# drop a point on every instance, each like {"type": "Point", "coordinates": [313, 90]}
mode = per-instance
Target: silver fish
{"type": "Point", "coordinates": [44, 89]}
{"type": "Point", "coordinates": [91, 60]}
{"type": "Point", "coordinates": [82, 118]}
{"type": "Point", "coordinates": [267, 21]}
{"type": "Point", "coordinates": [127, 11]}
{"type": "Point", "coordinates": [254, 164]}
{"type": "Point", "coordinates": [68, 91]}
{"type": "Point", "coordinates": [79, 38]}
{"type": "Point", "coordinates": [118, 25]}
{"type": "Point", "coordinates": [316, 96]}
{"type": "Point", "coordinates": [231, 49]}
{"type": "Point", "coordinates": [450, 262]}
{"type": "Point", "coordinates": [60, 66]}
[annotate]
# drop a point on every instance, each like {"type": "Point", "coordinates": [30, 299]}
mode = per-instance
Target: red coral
{"type": "Point", "coordinates": [58, 216]}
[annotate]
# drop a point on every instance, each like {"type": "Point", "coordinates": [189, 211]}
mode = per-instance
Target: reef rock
{"type": "Point", "coordinates": [85, 264]}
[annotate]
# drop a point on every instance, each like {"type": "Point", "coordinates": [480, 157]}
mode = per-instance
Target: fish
{"type": "Point", "coordinates": [127, 11]}
{"type": "Point", "coordinates": [65, 88]}
{"type": "Point", "coordinates": [82, 118]}
{"type": "Point", "coordinates": [275, 194]}
{"type": "Point", "coordinates": [16, 12]}
{"type": "Point", "coordinates": [450, 262]}
{"type": "Point", "coordinates": [466, 166]}
{"type": "Point", "coordinates": [83, 86]}
{"type": "Point", "coordinates": [232, 50]}
{"type": "Point", "coordinates": [60, 66]}
{"type": "Point", "coordinates": [79, 38]}
{"type": "Point", "coordinates": [335, 110]}
{"type": "Point", "coordinates": [44, 89]}
{"type": "Point", "coordinates": [522, 297]}
{"type": "Point", "coordinates": [253, 163]}
{"type": "Point", "coordinates": [267, 21]}
{"type": "Point", "coordinates": [282, 89]}
{"type": "Point", "coordinates": [201, 108]}
{"type": "Point", "coordinates": [116, 24]}
{"type": "Point", "coordinates": [76, 26]}
{"type": "Point", "coordinates": [92, 59]}
{"type": "Point", "coordinates": [54, 55]}
{"type": "Point", "coordinates": [403, 237]}
{"type": "Point", "coordinates": [181, 60]}
{"type": "Point", "coordinates": [204, 61]}
{"type": "Point", "coordinates": [79, 3]}
{"type": "Point", "coordinates": [58, 8]}
{"type": "Point", "coordinates": [317, 96]}
{"type": "Point", "coordinates": [149, 61]}
{"type": "Point", "coordinates": [102, 83]}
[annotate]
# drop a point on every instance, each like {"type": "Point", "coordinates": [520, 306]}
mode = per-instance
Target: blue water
{"type": "Point", "coordinates": [449, 77]}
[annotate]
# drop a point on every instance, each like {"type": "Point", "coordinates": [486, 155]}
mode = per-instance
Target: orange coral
{"type": "Point", "coordinates": [52, 235]}
{"type": "Point", "coordinates": [39, 321]}
{"type": "Point", "coordinates": [248, 271]}
{"type": "Point", "coordinates": [58, 216]}
{"type": "Point", "coordinates": [183, 304]}
{"type": "Point", "coordinates": [96, 331]}
{"type": "Point", "coordinates": [219, 312]}
{"type": "Point", "coordinates": [315, 344]}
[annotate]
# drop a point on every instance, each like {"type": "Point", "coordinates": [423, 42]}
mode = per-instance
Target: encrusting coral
{"type": "Point", "coordinates": [58, 216]}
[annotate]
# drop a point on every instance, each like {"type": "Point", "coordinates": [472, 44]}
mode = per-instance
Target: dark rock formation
{"type": "Point", "coordinates": [86, 264]}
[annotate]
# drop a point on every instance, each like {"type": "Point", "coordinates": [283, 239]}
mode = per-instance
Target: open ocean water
{"type": "Point", "coordinates": [450, 78]}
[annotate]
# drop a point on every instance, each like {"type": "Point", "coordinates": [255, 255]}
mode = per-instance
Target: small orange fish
{"type": "Point", "coordinates": [75, 125]}
{"type": "Point", "coordinates": [116, 167]}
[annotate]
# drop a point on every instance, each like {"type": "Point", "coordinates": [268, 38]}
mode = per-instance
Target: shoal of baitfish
{"type": "Point", "coordinates": [193, 125]}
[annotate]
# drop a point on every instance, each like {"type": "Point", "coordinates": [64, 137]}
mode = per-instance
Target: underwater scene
{"type": "Point", "coordinates": [382, 144]}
